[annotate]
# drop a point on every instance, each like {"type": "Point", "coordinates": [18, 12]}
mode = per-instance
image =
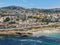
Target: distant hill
{"type": "Point", "coordinates": [18, 9]}
{"type": "Point", "coordinates": [13, 7]}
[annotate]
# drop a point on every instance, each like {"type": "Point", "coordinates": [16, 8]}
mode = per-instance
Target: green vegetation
{"type": "Point", "coordinates": [12, 22]}
{"type": "Point", "coordinates": [30, 17]}
{"type": "Point", "coordinates": [7, 19]}
{"type": "Point", "coordinates": [23, 19]}
{"type": "Point", "coordinates": [17, 19]}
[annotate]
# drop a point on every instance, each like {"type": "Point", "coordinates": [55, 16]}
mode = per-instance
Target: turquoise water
{"type": "Point", "coordinates": [56, 35]}
{"type": "Point", "coordinates": [51, 39]}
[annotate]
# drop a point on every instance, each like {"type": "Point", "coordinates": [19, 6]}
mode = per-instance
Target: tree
{"type": "Point", "coordinates": [7, 19]}
{"type": "Point", "coordinates": [46, 20]}
{"type": "Point", "coordinates": [29, 16]}
{"type": "Point", "coordinates": [17, 19]}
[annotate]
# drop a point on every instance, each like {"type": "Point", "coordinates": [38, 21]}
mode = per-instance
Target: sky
{"type": "Point", "coordinates": [31, 3]}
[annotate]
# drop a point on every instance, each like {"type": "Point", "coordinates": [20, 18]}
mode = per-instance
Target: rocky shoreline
{"type": "Point", "coordinates": [45, 32]}
{"type": "Point", "coordinates": [34, 33]}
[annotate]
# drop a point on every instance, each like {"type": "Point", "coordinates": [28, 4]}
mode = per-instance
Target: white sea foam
{"type": "Point", "coordinates": [27, 40]}
{"type": "Point", "coordinates": [31, 40]}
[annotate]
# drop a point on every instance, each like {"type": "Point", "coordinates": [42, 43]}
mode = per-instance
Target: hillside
{"type": "Point", "coordinates": [17, 9]}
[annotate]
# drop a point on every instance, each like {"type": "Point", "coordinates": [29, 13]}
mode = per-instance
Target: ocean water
{"type": "Point", "coordinates": [51, 39]}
